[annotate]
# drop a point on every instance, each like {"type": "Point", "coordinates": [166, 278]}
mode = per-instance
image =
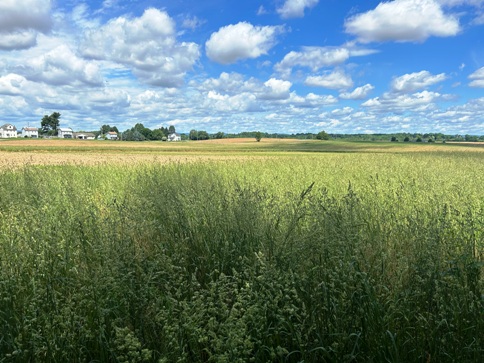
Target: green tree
{"type": "Point", "coordinates": [164, 130]}
{"type": "Point", "coordinates": [322, 135]}
{"type": "Point", "coordinates": [219, 135]}
{"type": "Point", "coordinates": [146, 132]}
{"type": "Point", "coordinates": [108, 128]}
{"type": "Point", "coordinates": [171, 129]}
{"type": "Point", "coordinates": [471, 138]}
{"type": "Point", "coordinates": [203, 135]}
{"type": "Point", "coordinates": [105, 129]}
{"type": "Point", "coordinates": [157, 134]}
{"type": "Point", "coordinates": [258, 136]}
{"type": "Point", "coordinates": [49, 124]}
{"type": "Point", "coordinates": [133, 135]}
{"type": "Point", "coordinates": [193, 135]}
{"type": "Point", "coordinates": [406, 139]}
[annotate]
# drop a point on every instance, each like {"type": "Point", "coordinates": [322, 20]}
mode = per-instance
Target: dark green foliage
{"type": "Point", "coordinates": [157, 134]}
{"type": "Point", "coordinates": [198, 135]}
{"type": "Point", "coordinates": [49, 124]}
{"type": "Point", "coordinates": [133, 135]}
{"type": "Point", "coordinates": [107, 128]}
{"type": "Point", "coordinates": [140, 133]}
{"type": "Point", "coordinates": [182, 263]}
{"type": "Point", "coordinates": [193, 135]}
{"type": "Point", "coordinates": [472, 138]}
{"type": "Point", "coordinates": [323, 135]}
{"type": "Point", "coordinates": [203, 135]}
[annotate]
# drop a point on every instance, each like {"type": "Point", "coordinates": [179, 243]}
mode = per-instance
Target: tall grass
{"type": "Point", "coordinates": [325, 258]}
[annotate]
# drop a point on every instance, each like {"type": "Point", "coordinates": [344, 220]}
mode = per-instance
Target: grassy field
{"type": "Point", "coordinates": [237, 251]}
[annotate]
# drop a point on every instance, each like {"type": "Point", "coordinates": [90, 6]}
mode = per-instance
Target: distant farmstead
{"type": "Point", "coordinates": [32, 132]}
{"type": "Point", "coordinates": [7, 131]}
{"type": "Point", "coordinates": [112, 135]}
{"type": "Point", "coordinates": [174, 137]}
{"type": "Point", "coordinates": [65, 133]}
{"type": "Point", "coordinates": [84, 135]}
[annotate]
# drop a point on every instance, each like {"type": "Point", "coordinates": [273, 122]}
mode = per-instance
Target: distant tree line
{"type": "Point", "coordinates": [50, 124]}
{"type": "Point", "coordinates": [323, 135]}
{"type": "Point", "coordinates": [409, 137]}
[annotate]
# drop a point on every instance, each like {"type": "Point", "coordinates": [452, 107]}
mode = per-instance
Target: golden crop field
{"type": "Point", "coordinates": [20, 152]}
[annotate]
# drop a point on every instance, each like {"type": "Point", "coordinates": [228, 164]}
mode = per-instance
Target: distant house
{"type": "Point", "coordinates": [28, 131]}
{"type": "Point", "coordinates": [174, 137]}
{"type": "Point", "coordinates": [64, 133]}
{"type": "Point", "coordinates": [111, 135]}
{"type": "Point", "coordinates": [8, 130]}
{"type": "Point", "coordinates": [84, 135]}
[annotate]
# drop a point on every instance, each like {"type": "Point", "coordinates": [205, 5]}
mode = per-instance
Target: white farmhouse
{"type": "Point", "coordinates": [174, 137]}
{"type": "Point", "coordinates": [112, 135]}
{"type": "Point", "coordinates": [32, 132]}
{"type": "Point", "coordinates": [64, 132]}
{"type": "Point", "coordinates": [84, 135]}
{"type": "Point", "coordinates": [8, 130]}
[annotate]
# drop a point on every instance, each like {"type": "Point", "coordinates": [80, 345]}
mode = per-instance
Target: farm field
{"type": "Point", "coordinates": [53, 151]}
{"type": "Point", "coordinates": [237, 251]}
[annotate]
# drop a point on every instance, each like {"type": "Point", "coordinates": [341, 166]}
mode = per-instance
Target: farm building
{"type": "Point", "coordinates": [84, 135]}
{"type": "Point", "coordinates": [111, 135]}
{"type": "Point", "coordinates": [174, 137]}
{"type": "Point", "coordinates": [32, 132]}
{"type": "Point", "coordinates": [64, 133]}
{"type": "Point", "coordinates": [8, 130]}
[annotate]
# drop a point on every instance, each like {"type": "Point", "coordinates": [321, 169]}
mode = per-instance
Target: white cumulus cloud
{"type": "Point", "coordinates": [414, 81]}
{"type": "Point", "coordinates": [403, 21]}
{"type": "Point", "coordinates": [477, 78]}
{"type": "Point", "coordinates": [241, 41]}
{"type": "Point", "coordinates": [295, 8]}
{"type": "Point", "coordinates": [417, 102]}
{"type": "Point", "coordinates": [451, 3]}
{"type": "Point", "coordinates": [109, 100]}
{"type": "Point", "coordinates": [147, 44]}
{"type": "Point", "coordinates": [21, 20]}
{"type": "Point", "coordinates": [313, 58]}
{"type": "Point", "coordinates": [231, 83]}
{"type": "Point", "coordinates": [25, 14]}
{"type": "Point", "coordinates": [18, 40]}
{"type": "Point", "coordinates": [334, 80]}
{"type": "Point", "coordinates": [12, 84]}
{"type": "Point", "coordinates": [276, 89]}
{"type": "Point", "coordinates": [243, 102]}
{"type": "Point", "coordinates": [61, 66]}
{"type": "Point", "coordinates": [358, 93]}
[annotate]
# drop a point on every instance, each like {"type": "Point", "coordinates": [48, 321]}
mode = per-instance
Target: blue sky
{"type": "Point", "coordinates": [284, 66]}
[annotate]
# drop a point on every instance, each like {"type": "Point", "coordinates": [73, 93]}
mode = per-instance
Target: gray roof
{"type": "Point", "coordinates": [6, 125]}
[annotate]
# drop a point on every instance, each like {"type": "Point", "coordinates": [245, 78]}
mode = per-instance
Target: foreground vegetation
{"type": "Point", "coordinates": [315, 257]}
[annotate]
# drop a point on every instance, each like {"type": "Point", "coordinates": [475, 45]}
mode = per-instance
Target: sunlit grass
{"type": "Point", "coordinates": [279, 256]}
